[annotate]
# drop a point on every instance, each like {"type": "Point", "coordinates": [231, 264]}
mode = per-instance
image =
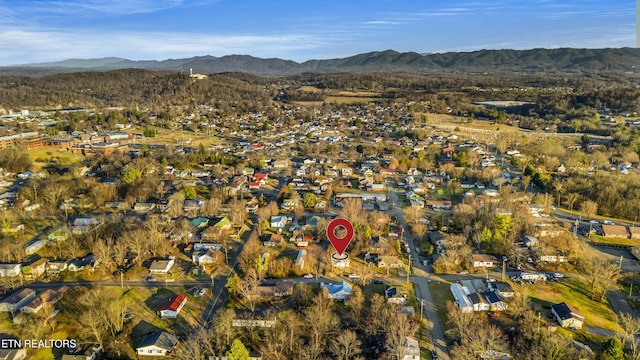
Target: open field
{"type": "Point", "coordinates": [349, 99]}
{"type": "Point", "coordinates": [47, 155]}
{"type": "Point", "coordinates": [441, 294]}
{"type": "Point", "coordinates": [574, 292]}
{"type": "Point", "coordinates": [614, 241]}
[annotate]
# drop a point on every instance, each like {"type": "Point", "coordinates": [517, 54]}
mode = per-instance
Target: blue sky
{"type": "Point", "coordinates": [40, 30]}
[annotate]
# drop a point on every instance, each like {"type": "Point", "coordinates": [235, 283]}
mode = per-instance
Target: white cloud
{"type": "Point", "coordinates": [23, 46]}
{"type": "Point", "coordinates": [94, 8]}
{"type": "Point", "coordinates": [382, 22]}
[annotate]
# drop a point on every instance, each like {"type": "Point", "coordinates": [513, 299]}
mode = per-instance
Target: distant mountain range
{"type": "Point", "coordinates": [564, 60]}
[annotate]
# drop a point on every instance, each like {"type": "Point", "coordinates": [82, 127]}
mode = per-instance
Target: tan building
{"type": "Point", "coordinates": [615, 231]}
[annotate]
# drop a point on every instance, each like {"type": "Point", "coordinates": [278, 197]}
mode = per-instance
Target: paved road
{"type": "Point", "coordinates": [421, 281]}
{"type": "Point", "coordinates": [219, 293]}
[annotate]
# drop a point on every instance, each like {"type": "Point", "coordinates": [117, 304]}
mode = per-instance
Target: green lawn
{"type": "Point", "coordinates": [614, 241]}
{"type": "Point", "coordinates": [574, 292]}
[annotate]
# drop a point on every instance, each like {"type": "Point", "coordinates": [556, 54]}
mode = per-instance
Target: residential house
{"type": "Point", "coordinates": [86, 262]}
{"type": "Point", "coordinates": [340, 263]}
{"type": "Point", "coordinates": [394, 295]}
{"type": "Point", "coordinates": [192, 205]}
{"type": "Point", "coordinates": [567, 315]}
{"type": "Point", "coordinates": [494, 355]}
{"type": "Point", "coordinates": [615, 231]}
{"type": "Point", "coordinates": [461, 299]}
{"type": "Point", "coordinates": [503, 289]}
{"type": "Point", "coordinates": [13, 354]}
{"type": "Point", "coordinates": [10, 270]}
{"type": "Point", "coordinates": [157, 344]}
{"type": "Point", "coordinates": [143, 207]}
{"type": "Point", "coordinates": [495, 302]}
{"type": "Point", "coordinates": [479, 302]}
{"type": "Point", "coordinates": [280, 221]}
{"type": "Point", "coordinates": [17, 300]}
{"type": "Point", "coordinates": [35, 269]}
{"type": "Point", "coordinates": [84, 352]}
{"type": "Point", "coordinates": [224, 223]}
{"type": "Point", "coordinates": [484, 260]}
{"type": "Point", "coordinates": [266, 292]}
{"type": "Point", "coordinates": [411, 349]}
{"type": "Point", "coordinates": [205, 257]}
{"type": "Point", "coordinates": [173, 307]}
{"type": "Point", "coordinates": [302, 255]}
{"type": "Point", "coordinates": [161, 266]}
{"type": "Point", "coordinates": [339, 291]}
{"type": "Point", "coordinates": [56, 266]}
{"type": "Point", "coordinates": [281, 163]}
{"type": "Point", "coordinates": [48, 296]}
{"type": "Point", "coordinates": [288, 205]}
{"type": "Point", "coordinates": [203, 246]}
{"type": "Point", "coordinates": [199, 222]}
{"type": "Point", "coordinates": [83, 225]}
{"type": "Point", "coordinates": [437, 238]}
{"type": "Point", "coordinates": [33, 246]}
{"type": "Point", "coordinates": [237, 184]}
{"type": "Point", "coordinates": [389, 262]}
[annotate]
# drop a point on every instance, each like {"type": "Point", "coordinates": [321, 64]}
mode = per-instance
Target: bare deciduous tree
{"type": "Point", "coordinates": [346, 346]}
{"type": "Point", "coordinates": [630, 328]}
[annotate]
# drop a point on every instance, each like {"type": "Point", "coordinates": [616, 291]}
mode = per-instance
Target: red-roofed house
{"type": "Point", "coordinates": [172, 308]}
{"type": "Point", "coordinates": [448, 150]}
{"type": "Point", "coordinates": [261, 176]}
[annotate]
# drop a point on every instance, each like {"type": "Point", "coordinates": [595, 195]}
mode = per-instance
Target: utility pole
{"type": "Point", "coordinates": [620, 267]}
{"type": "Point", "coordinates": [421, 305]}
{"type": "Point", "coordinates": [504, 269]}
{"type": "Point", "coordinates": [409, 269]}
{"type": "Point", "coordinates": [121, 280]}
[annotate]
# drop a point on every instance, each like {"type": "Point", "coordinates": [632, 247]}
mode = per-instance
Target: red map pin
{"type": "Point", "coordinates": [340, 244]}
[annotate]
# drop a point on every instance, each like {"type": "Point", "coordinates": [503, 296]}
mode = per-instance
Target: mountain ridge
{"type": "Point", "coordinates": [568, 60]}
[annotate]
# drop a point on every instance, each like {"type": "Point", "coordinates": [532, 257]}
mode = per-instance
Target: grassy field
{"type": "Point", "coordinates": [441, 294]}
{"type": "Point", "coordinates": [574, 292]}
{"type": "Point", "coordinates": [349, 99]}
{"type": "Point", "coordinates": [45, 155]}
{"type": "Point", "coordinates": [614, 241]}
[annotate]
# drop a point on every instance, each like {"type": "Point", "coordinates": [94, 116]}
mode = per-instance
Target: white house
{"type": "Point", "coordinates": [161, 266]}
{"type": "Point", "coordinates": [461, 299]}
{"type": "Point", "coordinates": [280, 221]}
{"type": "Point", "coordinates": [173, 307]}
{"type": "Point", "coordinates": [484, 260]}
{"type": "Point", "coordinates": [157, 344]}
{"type": "Point", "coordinates": [567, 316]}
{"type": "Point", "coordinates": [411, 349]}
{"type": "Point", "coordinates": [33, 246]}
{"type": "Point", "coordinates": [10, 270]}
{"type": "Point", "coordinates": [204, 257]}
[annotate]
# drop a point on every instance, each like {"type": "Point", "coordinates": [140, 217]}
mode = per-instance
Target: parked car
{"type": "Point", "coordinates": [308, 276]}
{"type": "Point", "coordinates": [201, 292]}
{"type": "Point", "coordinates": [607, 222]}
{"type": "Point", "coordinates": [150, 279]}
{"type": "Point", "coordinates": [353, 276]}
